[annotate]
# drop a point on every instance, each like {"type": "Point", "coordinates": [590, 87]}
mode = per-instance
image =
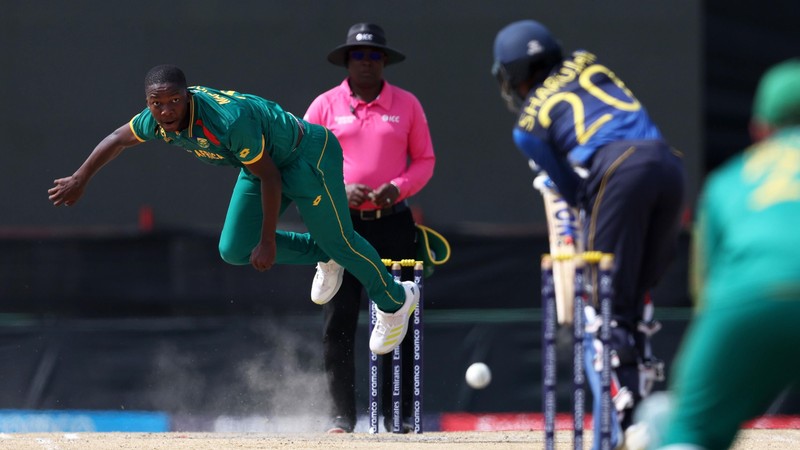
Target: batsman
{"type": "Point", "coordinates": [606, 158]}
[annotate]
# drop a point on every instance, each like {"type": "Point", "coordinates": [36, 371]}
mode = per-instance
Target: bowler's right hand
{"type": "Point", "coordinates": [66, 191]}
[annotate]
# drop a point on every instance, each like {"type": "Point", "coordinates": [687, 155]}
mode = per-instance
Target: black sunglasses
{"type": "Point", "coordinates": [359, 55]}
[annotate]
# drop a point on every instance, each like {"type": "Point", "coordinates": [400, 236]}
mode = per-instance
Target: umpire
{"type": "Point", "coordinates": [388, 157]}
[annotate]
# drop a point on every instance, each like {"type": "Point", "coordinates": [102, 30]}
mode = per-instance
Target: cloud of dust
{"type": "Point", "coordinates": [269, 378]}
{"type": "Point", "coordinates": [289, 378]}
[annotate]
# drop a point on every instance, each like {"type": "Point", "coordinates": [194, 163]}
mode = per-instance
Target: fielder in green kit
{"type": "Point", "coordinates": [740, 351]}
{"type": "Point", "coordinates": [282, 159]}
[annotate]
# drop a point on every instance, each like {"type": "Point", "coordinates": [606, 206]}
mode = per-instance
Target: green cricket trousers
{"type": "Point", "coordinates": [313, 180]}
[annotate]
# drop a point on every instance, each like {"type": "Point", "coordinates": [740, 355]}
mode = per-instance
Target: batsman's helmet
{"type": "Point", "coordinates": [522, 50]}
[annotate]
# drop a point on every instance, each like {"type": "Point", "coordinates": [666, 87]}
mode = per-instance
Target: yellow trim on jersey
{"type": "Point", "coordinates": [601, 193]}
{"type": "Point", "coordinates": [130, 125]}
{"type": "Point", "coordinates": [260, 154]}
{"type": "Point", "coordinates": [341, 227]}
{"type": "Point", "coordinates": [191, 113]}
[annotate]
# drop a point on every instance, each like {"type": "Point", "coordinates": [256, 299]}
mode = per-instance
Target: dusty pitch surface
{"type": "Point", "coordinates": [749, 439]}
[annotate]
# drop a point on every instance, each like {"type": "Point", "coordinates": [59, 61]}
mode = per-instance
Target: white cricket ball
{"type": "Point", "coordinates": [478, 375]}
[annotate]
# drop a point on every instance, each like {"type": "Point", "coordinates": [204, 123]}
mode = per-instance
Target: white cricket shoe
{"type": "Point", "coordinates": [327, 282]}
{"type": "Point", "coordinates": [391, 328]}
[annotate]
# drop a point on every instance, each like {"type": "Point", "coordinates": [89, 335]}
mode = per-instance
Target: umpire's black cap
{"type": "Point", "coordinates": [364, 35]}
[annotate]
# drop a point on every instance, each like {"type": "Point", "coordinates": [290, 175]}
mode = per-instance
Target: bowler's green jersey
{"type": "Point", "coordinates": [228, 128]}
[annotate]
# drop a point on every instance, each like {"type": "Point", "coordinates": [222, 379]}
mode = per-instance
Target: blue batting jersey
{"type": "Point", "coordinates": [579, 108]}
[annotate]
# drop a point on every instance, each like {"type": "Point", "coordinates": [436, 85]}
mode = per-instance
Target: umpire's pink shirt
{"type": "Point", "coordinates": [386, 140]}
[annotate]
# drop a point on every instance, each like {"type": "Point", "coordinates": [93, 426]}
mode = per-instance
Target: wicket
{"type": "Point", "coordinates": [397, 373]}
{"type": "Point", "coordinates": [604, 264]}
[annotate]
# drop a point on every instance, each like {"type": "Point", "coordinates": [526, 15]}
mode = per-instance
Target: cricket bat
{"type": "Point", "coordinates": [563, 230]}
